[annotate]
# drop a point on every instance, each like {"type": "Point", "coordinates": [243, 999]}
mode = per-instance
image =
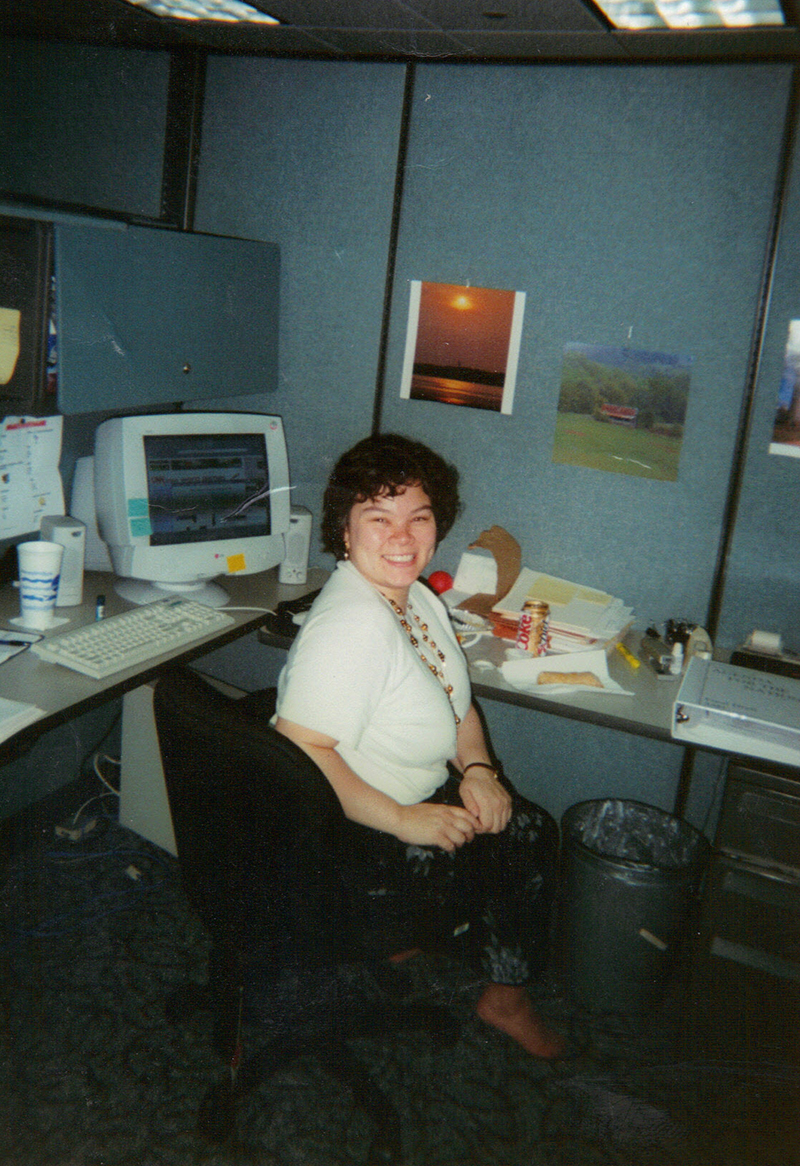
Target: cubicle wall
{"type": "Point", "coordinates": [762, 579]}
{"type": "Point", "coordinates": [83, 124]}
{"type": "Point", "coordinates": [632, 206]}
{"type": "Point", "coordinates": [304, 154]}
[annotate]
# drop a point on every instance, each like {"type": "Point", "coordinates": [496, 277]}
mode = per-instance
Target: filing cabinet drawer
{"type": "Point", "coordinates": [760, 818]}
{"type": "Point", "coordinates": [753, 917]}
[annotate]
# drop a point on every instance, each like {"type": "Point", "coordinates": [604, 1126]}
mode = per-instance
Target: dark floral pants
{"type": "Point", "coordinates": [490, 901]}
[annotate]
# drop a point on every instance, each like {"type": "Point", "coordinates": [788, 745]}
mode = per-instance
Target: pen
{"type": "Point", "coordinates": [16, 643]}
{"type": "Point", "coordinates": [629, 656]}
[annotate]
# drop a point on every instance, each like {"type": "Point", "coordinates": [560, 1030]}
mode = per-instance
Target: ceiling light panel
{"type": "Point", "coordinates": [231, 11]}
{"type": "Point", "coordinates": [689, 14]}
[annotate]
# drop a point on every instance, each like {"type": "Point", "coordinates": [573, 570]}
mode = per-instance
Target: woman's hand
{"type": "Point", "coordinates": [426, 824]}
{"type": "Point", "coordinates": [486, 799]}
{"type": "Point", "coordinates": [430, 824]}
{"type": "Point", "coordinates": [482, 794]}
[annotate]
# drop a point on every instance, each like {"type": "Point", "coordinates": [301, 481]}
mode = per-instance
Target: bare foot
{"type": "Point", "coordinates": [509, 1009]}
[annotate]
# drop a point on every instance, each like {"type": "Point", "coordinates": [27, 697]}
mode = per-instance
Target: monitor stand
{"type": "Point", "coordinates": [140, 591]}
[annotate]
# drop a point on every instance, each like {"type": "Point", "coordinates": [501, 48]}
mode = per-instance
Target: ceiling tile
{"type": "Point", "coordinates": [514, 16]}
{"type": "Point", "coordinates": [536, 30]}
{"type": "Point", "coordinates": [342, 14]}
{"type": "Point", "coordinates": [391, 42]}
{"type": "Point", "coordinates": [541, 46]}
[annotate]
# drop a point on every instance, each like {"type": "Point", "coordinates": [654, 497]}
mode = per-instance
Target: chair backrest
{"type": "Point", "coordinates": [255, 821]}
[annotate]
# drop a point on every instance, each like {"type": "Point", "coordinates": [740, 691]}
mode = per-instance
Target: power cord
{"type": "Point", "coordinates": [80, 826]}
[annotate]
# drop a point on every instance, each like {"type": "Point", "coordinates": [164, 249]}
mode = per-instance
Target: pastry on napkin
{"type": "Point", "coordinates": [566, 672]}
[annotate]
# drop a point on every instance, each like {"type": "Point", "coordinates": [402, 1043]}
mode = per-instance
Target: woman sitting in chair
{"type": "Point", "coordinates": [375, 690]}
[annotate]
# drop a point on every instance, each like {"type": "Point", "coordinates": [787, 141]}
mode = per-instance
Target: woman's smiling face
{"type": "Point", "coordinates": [391, 539]}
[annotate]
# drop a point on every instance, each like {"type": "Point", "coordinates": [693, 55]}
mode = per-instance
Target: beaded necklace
{"type": "Point", "coordinates": [422, 630]}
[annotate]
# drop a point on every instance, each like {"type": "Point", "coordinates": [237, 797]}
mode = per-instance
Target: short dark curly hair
{"type": "Point", "coordinates": [384, 465]}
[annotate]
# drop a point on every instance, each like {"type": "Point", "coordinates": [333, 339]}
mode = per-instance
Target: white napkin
{"type": "Point", "coordinates": [521, 670]}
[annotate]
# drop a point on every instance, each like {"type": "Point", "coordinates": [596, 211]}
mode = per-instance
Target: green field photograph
{"type": "Point", "coordinates": [622, 410]}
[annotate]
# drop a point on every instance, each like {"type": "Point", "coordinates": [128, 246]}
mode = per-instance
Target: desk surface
{"type": "Point", "coordinates": [62, 694]}
{"type": "Point", "coordinates": [647, 712]}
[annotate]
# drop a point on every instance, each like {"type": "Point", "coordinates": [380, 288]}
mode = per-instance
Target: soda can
{"type": "Point", "coordinates": [533, 627]}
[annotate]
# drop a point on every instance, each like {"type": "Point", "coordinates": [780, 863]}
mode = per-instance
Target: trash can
{"type": "Point", "coordinates": [629, 877]}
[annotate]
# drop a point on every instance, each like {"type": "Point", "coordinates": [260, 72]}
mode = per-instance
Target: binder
{"type": "Point", "coordinates": [740, 710]}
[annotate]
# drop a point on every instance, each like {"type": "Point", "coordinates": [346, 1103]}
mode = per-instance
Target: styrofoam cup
{"type": "Point", "coordinates": [39, 573]}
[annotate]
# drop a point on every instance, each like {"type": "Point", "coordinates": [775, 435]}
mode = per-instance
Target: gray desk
{"type": "Point", "coordinates": [647, 713]}
{"type": "Point", "coordinates": [62, 694]}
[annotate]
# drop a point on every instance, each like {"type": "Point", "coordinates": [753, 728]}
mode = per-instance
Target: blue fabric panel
{"type": "Point", "coordinates": [762, 582]}
{"type": "Point", "coordinates": [632, 206]}
{"type": "Point", "coordinates": [83, 124]}
{"type": "Point", "coordinates": [303, 153]}
{"type": "Point", "coordinates": [558, 762]}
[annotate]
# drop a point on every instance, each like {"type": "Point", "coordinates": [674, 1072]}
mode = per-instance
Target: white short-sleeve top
{"type": "Point", "coordinates": [353, 674]}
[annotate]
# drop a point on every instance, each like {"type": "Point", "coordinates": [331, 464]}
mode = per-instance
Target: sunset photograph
{"type": "Point", "coordinates": [462, 346]}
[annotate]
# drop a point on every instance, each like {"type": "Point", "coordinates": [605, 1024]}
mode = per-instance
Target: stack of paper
{"type": "Point", "coordinates": [580, 617]}
{"type": "Point", "coordinates": [14, 715]}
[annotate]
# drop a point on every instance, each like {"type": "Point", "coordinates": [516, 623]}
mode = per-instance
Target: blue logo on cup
{"type": "Point", "coordinates": [38, 589]}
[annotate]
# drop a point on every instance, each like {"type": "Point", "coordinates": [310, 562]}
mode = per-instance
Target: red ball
{"type": "Point", "coordinates": [440, 581]}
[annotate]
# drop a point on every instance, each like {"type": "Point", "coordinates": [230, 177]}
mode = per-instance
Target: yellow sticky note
{"type": "Point", "coordinates": [236, 563]}
{"type": "Point", "coordinates": [9, 343]}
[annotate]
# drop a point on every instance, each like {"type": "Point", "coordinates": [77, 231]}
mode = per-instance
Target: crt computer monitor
{"type": "Point", "coordinates": [183, 498]}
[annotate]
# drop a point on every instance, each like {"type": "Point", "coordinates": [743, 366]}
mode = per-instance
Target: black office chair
{"type": "Point", "coordinates": [295, 950]}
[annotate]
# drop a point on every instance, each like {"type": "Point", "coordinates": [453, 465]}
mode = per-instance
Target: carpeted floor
{"type": "Point", "coordinates": [95, 937]}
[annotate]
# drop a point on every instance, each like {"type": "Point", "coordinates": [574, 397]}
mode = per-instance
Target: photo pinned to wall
{"type": "Point", "coordinates": [786, 430]}
{"type": "Point", "coordinates": [462, 345]}
{"type": "Point", "coordinates": [622, 410]}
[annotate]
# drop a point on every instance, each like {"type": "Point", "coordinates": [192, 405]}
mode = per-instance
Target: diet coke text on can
{"type": "Point", "coordinates": [532, 627]}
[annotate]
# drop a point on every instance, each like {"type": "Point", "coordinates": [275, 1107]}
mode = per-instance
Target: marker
{"type": "Point", "coordinates": [99, 607]}
{"type": "Point", "coordinates": [627, 656]}
{"type": "Point", "coordinates": [16, 643]}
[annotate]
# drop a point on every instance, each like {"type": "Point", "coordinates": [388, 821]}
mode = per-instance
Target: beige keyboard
{"type": "Point", "coordinates": [123, 641]}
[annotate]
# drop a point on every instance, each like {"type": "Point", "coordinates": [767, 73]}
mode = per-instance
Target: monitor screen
{"type": "Point", "coordinates": [183, 498]}
{"type": "Point", "coordinates": [196, 484]}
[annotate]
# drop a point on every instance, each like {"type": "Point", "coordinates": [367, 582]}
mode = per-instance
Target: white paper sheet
{"type": "Point", "coordinates": [30, 480]}
{"type": "Point", "coordinates": [523, 673]}
{"type": "Point", "coordinates": [477, 573]}
{"type": "Point", "coordinates": [21, 640]}
{"type": "Point", "coordinates": [14, 715]}
{"type": "Point", "coordinates": [9, 342]}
